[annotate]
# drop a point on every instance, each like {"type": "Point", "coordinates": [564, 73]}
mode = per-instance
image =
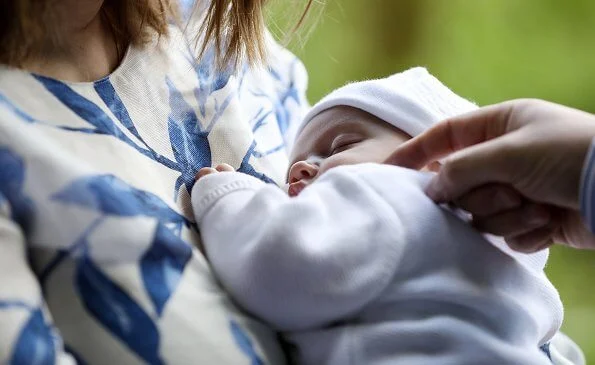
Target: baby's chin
{"type": "Point", "coordinates": [285, 188]}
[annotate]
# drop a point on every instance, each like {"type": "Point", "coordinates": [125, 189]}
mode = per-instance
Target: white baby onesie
{"type": "Point", "coordinates": [363, 268]}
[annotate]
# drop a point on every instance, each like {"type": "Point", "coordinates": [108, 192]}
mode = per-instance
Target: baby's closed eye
{"type": "Point", "coordinates": [343, 142]}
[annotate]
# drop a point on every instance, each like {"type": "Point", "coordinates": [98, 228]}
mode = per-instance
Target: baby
{"type": "Point", "coordinates": [357, 265]}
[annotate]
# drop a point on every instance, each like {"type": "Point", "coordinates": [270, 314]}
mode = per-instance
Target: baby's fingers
{"type": "Point", "coordinates": [204, 172]}
{"type": "Point", "coordinates": [224, 167]}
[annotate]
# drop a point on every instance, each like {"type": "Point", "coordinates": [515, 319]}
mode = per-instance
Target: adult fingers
{"type": "Point", "coordinates": [515, 222]}
{"type": "Point", "coordinates": [489, 200]}
{"type": "Point", "coordinates": [468, 169]}
{"type": "Point", "coordinates": [453, 134]}
{"type": "Point", "coordinates": [572, 230]}
{"type": "Point", "coordinates": [533, 241]}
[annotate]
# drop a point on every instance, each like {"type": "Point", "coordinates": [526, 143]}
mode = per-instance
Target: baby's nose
{"type": "Point", "coordinates": [302, 170]}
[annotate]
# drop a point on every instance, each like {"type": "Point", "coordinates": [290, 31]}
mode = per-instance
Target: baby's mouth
{"type": "Point", "coordinates": [296, 188]}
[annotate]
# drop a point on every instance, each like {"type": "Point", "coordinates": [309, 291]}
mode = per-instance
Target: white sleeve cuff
{"type": "Point", "coordinates": [209, 189]}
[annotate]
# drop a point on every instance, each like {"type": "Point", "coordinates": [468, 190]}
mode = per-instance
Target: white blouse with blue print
{"type": "Point", "coordinates": [98, 260]}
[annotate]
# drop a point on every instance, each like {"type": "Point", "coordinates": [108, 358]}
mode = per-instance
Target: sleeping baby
{"type": "Point", "coordinates": [354, 264]}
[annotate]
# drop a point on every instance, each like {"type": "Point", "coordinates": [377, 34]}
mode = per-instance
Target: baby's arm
{"type": "Point", "coordinates": [298, 262]}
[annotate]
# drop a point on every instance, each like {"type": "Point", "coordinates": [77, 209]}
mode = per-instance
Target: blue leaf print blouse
{"type": "Point", "coordinates": [98, 261]}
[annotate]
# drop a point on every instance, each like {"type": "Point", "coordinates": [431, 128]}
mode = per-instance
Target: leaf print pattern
{"type": "Point", "coordinates": [35, 345]}
{"type": "Point", "coordinates": [12, 179]}
{"type": "Point", "coordinates": [162, 266]}
{"type": "Point", "coordinates": [105, 199]}
{"type": "Point", "coordinates": [189, 142]}
{"type": "Point", "coordinates": [112, 196]}
{"type": "Point", "coordinates": [163, 263]}
{"type": "Point", "coordinates": [114, 309]}
{"type": "Point", "coordinates": [244, 342]}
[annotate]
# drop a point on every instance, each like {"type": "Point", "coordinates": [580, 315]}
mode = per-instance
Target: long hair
{"type": "Point", "coordinates": [234, 27]}
{"type": "Point", "coordinates": [27, 27]}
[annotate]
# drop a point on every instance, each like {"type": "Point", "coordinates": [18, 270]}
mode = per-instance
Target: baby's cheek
{"type": "Point", "coordinates": [360, 155]}
{"type": "Point", "coordinates": [333, 162]}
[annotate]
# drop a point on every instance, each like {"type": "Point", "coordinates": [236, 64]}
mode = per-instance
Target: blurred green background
{"type": "Point", "coordinates": [486, 51]}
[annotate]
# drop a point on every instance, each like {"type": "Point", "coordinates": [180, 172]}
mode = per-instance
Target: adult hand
{"type": "Point", "coordinates": [515, 166]}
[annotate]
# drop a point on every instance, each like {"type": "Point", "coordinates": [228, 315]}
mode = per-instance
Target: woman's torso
{"type": "Point", "coordinates": [97, 176]}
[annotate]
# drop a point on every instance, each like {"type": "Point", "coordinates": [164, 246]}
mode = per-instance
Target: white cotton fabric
{"type": "Point", "coordinates": [412, 100]}
{"type": "Point", "coordinates": [363, 268]}
{"type": "Point", "coordinates": [564, 351]}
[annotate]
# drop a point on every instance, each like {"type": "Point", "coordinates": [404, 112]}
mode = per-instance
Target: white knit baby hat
{"type": "Point", "coordinates": [412, 100]}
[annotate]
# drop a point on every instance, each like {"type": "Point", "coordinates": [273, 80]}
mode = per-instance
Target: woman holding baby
{"type": "Point", "coordinates": [107, 111]}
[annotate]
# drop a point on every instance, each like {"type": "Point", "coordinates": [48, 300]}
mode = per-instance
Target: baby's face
{"type": "Point", "coordinates": [339, 136]}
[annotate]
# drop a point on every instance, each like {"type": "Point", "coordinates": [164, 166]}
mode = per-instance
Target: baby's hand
{"type": "Point", "coordinates": [209, 170]}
